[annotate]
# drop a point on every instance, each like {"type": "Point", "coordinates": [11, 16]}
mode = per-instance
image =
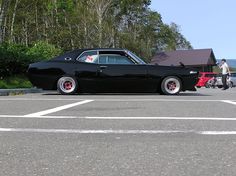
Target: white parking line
{"type": "Point", "coordinates": [120, 118]}
{"type": "Point", "coordinates": [218, 132]}
{"type": "Point", "coordinates": [164, 118]}
{"type": "Point", "coordinates": [38, 117]}
{"type": "Point", "coordinates": [60, 108]}
{"type": "Point", "coordinates": [229, 102]}
{"type": "Point", "coordinates": [72, 131]}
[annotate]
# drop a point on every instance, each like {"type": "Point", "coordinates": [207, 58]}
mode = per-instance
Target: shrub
{"type": "Point", "coordinates": [43, 51]}
{"type": "Point", "coordinates": [15, 58]}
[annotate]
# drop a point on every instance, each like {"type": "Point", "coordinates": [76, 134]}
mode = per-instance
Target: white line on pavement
{"type": "Point", "coordinates": [39, 117]}
{"type": "Point", "coordinates": [60, 108]}
{"type": "Point", "coordinates": [163, 118]}
{"type": "Point", "coordinates": [218, 132]}
{"type": "Point", "coordinates": [74, 131]}
{"type": "Point", "coordinates": [32, 130]}
{"type": "Point", "coordinates": [229, 102]}
{"type": "Point", "coordinates": [121, 118]}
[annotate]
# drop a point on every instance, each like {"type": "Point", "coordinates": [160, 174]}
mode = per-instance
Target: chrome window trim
{"type": "Point", "coordinates": [99, 50]}
{"type": "Point", "coordinates": [86, 51]}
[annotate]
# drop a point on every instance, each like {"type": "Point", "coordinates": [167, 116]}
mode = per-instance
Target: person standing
{"type": "Point", "coordinates": [225, 72]}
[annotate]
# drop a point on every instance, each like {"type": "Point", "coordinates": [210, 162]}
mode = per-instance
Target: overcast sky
{"type": "Point", "coordinates": [205, 23]}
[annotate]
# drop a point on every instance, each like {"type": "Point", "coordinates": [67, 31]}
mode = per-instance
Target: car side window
{"type": "Point", "coordinates": [103, 59]}
{"type": "Point", "coordinates": [114, 59]}
{"type": "Point", "coordinates": [89, 57]}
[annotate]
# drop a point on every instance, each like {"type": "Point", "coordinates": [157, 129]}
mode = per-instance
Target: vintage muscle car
{"type": "Point", "coordinates": [109, 71]}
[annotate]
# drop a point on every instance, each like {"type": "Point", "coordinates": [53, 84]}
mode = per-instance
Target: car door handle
{"type": "Point", "coordinates": [103, 67]}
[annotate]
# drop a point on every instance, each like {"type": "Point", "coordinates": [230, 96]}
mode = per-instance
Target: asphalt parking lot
{"type": "Point", "coordinates": [193, 133]}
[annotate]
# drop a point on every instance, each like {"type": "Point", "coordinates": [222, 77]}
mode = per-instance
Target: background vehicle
{"type": "Point", "coordinates": [109, 70]}
{"type": "Point", "coordinates": [211, 83]}
{"type": "Point", "coordinates": [204, 77]}
{"type": "Point", "coordinates": [231, 81]}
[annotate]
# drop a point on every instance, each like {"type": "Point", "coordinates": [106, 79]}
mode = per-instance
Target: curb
{"type": "Point", "coordinates": [8, 92]}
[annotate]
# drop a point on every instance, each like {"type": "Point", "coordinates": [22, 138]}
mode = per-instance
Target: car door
{"type": "Point", "coordinates": [119, 73]}
{"type": "Point", "coordinates": [86, 71]}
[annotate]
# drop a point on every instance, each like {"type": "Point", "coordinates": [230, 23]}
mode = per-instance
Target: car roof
{"type": "Point", "coordinates": [107, 49]}
{"type": "Point", "coordinates": [76, 52]}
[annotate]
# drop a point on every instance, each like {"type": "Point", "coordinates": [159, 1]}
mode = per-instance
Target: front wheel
{"type": "Point", "coordinates": [171, 85]}
{"type": "Point", "coordinates": [67, 85]}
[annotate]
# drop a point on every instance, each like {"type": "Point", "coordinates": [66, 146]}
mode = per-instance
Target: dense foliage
{"type": "Point", "coordinates": [72, 24]}
{"type": "Point", "coordinates": [15, 58]}
{"type": "Point", "coordinates": [33, 30]}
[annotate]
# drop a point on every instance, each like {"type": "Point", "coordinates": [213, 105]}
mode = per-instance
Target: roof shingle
{"type": "Point", "coordinates": [187, 57]}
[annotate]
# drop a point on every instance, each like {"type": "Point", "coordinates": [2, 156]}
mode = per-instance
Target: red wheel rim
{"type": "Point", "coordinates": [171, 85]}
{"type": "Point", "coordinates": [68, 85]}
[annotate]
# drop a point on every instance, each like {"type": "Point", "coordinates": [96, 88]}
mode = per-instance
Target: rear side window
{"type": "Point", "coordinates": [89, 57]}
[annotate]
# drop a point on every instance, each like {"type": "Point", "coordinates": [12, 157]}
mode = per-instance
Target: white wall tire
{"type": "Point", "coordinates": [67, 85]}
{"type": "Point", "coordinates": [171, 85]}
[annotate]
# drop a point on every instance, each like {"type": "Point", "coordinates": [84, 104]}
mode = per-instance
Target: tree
{"type": "Point", "coordinates": [70, 24]}
{"type": "Point", "coordinates": [3, 18]}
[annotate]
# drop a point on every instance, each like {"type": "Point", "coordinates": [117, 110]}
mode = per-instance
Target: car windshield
{"type": "Point", "coordinates": [137, 59]}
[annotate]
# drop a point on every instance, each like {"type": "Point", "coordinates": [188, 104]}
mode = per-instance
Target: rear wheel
{"type": "Point", "coordinates": [67, 85]}
{"type": "Point", "coordinates": [171, 85]}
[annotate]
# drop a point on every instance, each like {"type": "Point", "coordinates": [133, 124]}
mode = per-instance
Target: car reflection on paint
{"type": "Point", "coordinates": [109, 70]}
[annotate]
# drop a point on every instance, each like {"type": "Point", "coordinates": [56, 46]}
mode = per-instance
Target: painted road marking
{"type": "Point", "coordinates": [229, 102]}
{"type": "Point", "coordinates": [121, 118]}
{"type": "Point", "coordinates": [73, 131]}
{"type": "Point", "coordinates": [38, 117]}
{"type": "Point", "coordinates": [163, 118]}
{"type": "Point", "coordinates": [60, 108]}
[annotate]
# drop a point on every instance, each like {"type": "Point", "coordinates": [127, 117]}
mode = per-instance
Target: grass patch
{"type": "Point", "coordinates": [14, 82]}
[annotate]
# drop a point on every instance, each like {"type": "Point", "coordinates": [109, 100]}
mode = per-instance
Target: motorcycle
{"type": "Point", "coordinates": [217, 82]}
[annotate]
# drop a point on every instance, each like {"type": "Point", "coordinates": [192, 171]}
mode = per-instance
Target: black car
{"type": "Point", "coordinates": [110, 71]}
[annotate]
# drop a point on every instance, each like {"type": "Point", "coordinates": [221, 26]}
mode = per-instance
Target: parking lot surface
{"type": "Point", "coordinates": [193, 133]}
